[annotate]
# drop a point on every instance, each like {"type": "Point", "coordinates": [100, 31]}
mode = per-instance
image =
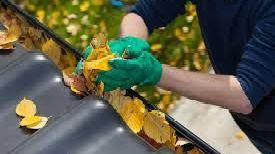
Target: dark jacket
{"type": "Point", "coordinates": [240, 39]}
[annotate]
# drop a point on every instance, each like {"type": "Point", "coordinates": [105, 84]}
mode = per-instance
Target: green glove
{"type": "Point", "coordinates": [129, 43]}
{"type": "Point", "coordinates": [142, 70]}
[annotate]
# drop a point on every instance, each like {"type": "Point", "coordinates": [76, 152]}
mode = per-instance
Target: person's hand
{"type": "Point", "coordinates": [143, 69]}
{"type": "Point", "coordinates": [129, 43]}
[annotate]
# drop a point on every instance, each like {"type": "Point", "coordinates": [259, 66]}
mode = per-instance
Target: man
{"type": "Point", "coordinates": [240, 38]}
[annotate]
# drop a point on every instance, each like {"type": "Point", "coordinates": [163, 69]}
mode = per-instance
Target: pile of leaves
{"type": "Point", "coordinates": [179, 44]}
{"type": "Point", "coordinates": [30, 37]}
{"type": "Point", "coordinates": [84, 83]}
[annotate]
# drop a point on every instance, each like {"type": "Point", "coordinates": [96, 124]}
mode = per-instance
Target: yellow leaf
{"type": "Point", "coordinates": [11, 35]}
{"type": "Point", "coordinates": [7, 46]}
{"type": "Point", "coordinates": [99, 53]}
{"type": "Point", "coordinates": [156, 47]}
{"type": "Point", "coordinates": [26, 108]}
{"type": "Point", "coordinates": [69, 59]}
{"type": "Point", "coordinates": [73, 89]}
{"type": "Point", "coordinates": [98, 2]}
{"type": "Point", "coordinates": [39, 125]}
{"type": "Point", "coordinates": [30, 120]}
{"type": "Point", "coordinates": [133, 114]}
{"type": "Point", "coordinates": [99, 64]}
{"type": "Point", "coordinates": [34, 34]}
{"type": "Point", "coordinates": [40, 15]}
{"type": "Point", "coordinates": [156, 126]}
{"type": "Point", "coordinates": [240, 135]}
{"type": "Point", "coordinates": [117, 99]}
{"type": "Point", "coordinates": [52, 50]}
{"type": "Point", "coordinates": [28, 43]}
{"type": "Point", "coordinates": [68, 70]}
{"type": "Point", "coordinates": [14, 30]}
{"type": "Point", "coordinates": [84, 6]}
{"type": "Point", "coordinates": [101, 88]}
{"type": "Point", "coordinates": [173, 139]}
{"type": "Point", "coordinates": [195, 150]}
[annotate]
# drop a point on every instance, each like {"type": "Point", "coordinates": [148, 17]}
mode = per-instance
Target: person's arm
{"type": "Point", "coordinates": [150, 14]}
{"type": "Point", "coordinates": [254, 79]}
{"type": "Point", "coordinates": [220, 90]}
{"type": "Point", "coordinates": [133, 25]}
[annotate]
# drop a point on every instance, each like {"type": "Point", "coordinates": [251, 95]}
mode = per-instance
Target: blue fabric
{"type": "Point", "coordinates": [240, 39]}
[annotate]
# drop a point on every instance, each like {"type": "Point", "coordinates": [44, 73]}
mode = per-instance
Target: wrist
{"type": "Point", "coordinates": [164, 75]}
{"type": "Point", "coordinates": [155, 74]}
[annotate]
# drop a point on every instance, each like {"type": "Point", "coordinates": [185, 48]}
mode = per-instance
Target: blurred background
{"type": "Point", "coordinates": [179, 44]}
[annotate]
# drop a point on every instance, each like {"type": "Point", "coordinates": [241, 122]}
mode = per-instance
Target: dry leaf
{"type": "Point", "coordinates": [30, 120]}
{"type": "Point", "coordinates": [173, 139]}
{"type": "Point", "coordinates": [68, 60]}
{"type": "Point", "coordinates": [28, 43]}
{"type": "Point", "coordinates": [118, 105]}
{"type": "Point", "coordinates": [73, 89]}
{"type": "Point", "coordinates": [114, 99]}
{"type": "Point", "coordinates": [78, 84]}
{"type": "Point", "coordinates": [182, 141]}
{"type": "Point", "coordinates": [240, 135]}
{"type": "Point", "coordinates": [51, 49]}
{"type": "Point", "coordinates": [38, 125]}
{"type": "Point", "coordinates": [99, 41]}
{"type": "Point", "coordinates": [99, 53]}
{"type": "Point", "coordinates": [26, 108]}
{"type": "Point", "coordinates": [7, 46]}
{"type": "Point", "coordinates": [156, 126]}
{"type": "Point", "coordinates": [195, 150]}
{"type": "Point", "coordinates": [67, 76]}
{"type": "Point", "coordinates": [133, 114]}
{"type": "Point", "coordinates": [34, 33]}
{"type": "Point", "coordinates": [14, 30]}
{"type": "Point", "coordinates": [152, 142]}
{"type": "Point", "coordinates": [10, 38]}
{"type": "Point", "coordinates": [99, 64]}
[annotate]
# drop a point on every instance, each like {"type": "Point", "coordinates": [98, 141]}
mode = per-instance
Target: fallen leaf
{"type": "Point", "coordinates": [52, 50]}
{"type": "Point", "coordinates": [30, 120]}
{"type": "Point", "coordinates": [79, 84]}
{"type": "Point", "coordinates": [240, 135]}
{"type": "Point", "coordinates": [7, 46]}
{"type": "Point", "coordinates": [156, 126]}
{"type": "Point", "coordinates": [25, 108]}
{"type": "Point", "coordinates": [38, 125]}
{"type": "Point", "coordinates": [195, 150]}
{"type": "Point", "coordinates": [182, 141]}
{"type": "Point", "coordinates": [133, 114]}
{"type": "Point", "coordinates": [67, 76]}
